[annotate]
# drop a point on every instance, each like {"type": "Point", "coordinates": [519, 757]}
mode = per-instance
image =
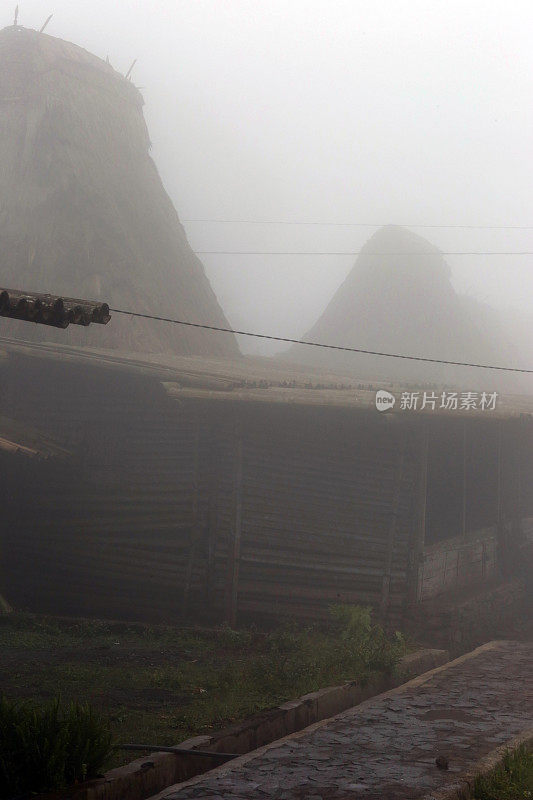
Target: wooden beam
{"type": "Point", "coordinates": [49, 309]}
{"type": "Point", "coordinates": [234, 549]}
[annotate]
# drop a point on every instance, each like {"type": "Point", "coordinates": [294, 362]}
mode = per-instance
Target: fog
{"type": "Point", "coordinates": [200, 529]}
{"type": "Point", "coordinates": [417, 114]}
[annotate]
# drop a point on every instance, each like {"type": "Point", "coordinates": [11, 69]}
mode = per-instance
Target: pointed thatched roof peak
{"type": "Point", "coordinates": [403, 251]}
{"type": "Point", "coordinates": [48, 52]}
{"type": "Point", "coordinates": [83, 211]}
{"type": "Point", "coordinates": [398, 298]}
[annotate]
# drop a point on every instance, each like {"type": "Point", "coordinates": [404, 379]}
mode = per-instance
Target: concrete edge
{"type": "Point", "coordinates": [156, 772]}
{"type": "Point", "coordinates": [237, 762]}
{"type": "Point", "coordinates": [462, 787]}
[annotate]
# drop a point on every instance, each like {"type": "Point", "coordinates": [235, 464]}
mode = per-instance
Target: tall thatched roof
{"type": "Point", "coordinates": [83, 211]}
{"type": "Point", "coordinates": [402, 301]}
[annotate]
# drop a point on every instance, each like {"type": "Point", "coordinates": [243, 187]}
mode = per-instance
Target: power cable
{"type": "Point", "coordinates": [354, 253]}
{"type": "Point", "coordinates": [317, 344]}
{"type": "Point", "coordinates": [353, 224]}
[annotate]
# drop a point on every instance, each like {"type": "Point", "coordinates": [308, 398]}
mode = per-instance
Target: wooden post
{"type": "Point", "coordinates": [500, 528]}
{"type": "Point", "coordinates": [212, 518]}
{"type": "Point", "coordinates": [393, 524]}
{"type": "Point", "coordinates": [519, 450]}
{"type": "Point", "coordinates": [463, 511]}
{"type": "Point", "coordinates": [519, 435]}
{"type": "Point", "coordinates": [499, 475]}
{"type": "Point", "coordinates": [5, 608]}
{"type": "Point", "coordinates": [195, 528]}
{"type": "Point", "coordinates": [514, 535]}
{"type": "Point", "coordinates": [419, 538]}
{"type": "Point", "coordinates": [234, 547]}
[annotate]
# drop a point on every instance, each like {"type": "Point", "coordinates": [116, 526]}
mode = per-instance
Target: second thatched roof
{"type": "Point", "coordinates": [83, 211]}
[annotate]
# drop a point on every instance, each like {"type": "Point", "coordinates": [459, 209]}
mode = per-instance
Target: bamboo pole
{"type": "Point", "coordinates": [128, 73]}
{"type": "Point", "coordinates": [46, 23]}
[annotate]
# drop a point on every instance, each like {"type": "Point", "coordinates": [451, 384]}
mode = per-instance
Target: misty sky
{"type": "Point", "coordinates": [413, 112]}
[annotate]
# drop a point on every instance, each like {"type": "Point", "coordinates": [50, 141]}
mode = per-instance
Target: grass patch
{"type": "Point", "coordinates": [160, 685]}
{"type": "Point", "coordinates": [50, 746]}
{"type": "Point", "coordinates": [512, 780]}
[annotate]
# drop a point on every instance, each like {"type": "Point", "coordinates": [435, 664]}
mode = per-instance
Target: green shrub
{"type": "Point", "coordinates": [352, 621]}
{"type": "Point", "coordinates": [293, 660]}
{"type": "Point", "coordinates": [50, 746]}
{"type": "Point", "coordinates": [365, 645]}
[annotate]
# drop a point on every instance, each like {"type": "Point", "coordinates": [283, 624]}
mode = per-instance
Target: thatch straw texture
{"type": "Point", "coordinates": [83, 211]}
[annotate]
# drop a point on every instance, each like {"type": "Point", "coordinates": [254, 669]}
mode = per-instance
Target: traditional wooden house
{"type": "Point", "coordinates": [198, 490]}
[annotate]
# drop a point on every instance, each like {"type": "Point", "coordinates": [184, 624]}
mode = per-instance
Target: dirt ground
{"type": "Point", "coordinates": [160, 685]}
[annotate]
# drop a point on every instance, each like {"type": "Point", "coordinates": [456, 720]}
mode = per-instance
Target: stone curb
{"type": "Point", "coordinates": [155, 772]}
{"type": "Point", "coordinates": [391, 692]}
{"type": "Point", "coordinates": [461, 789]}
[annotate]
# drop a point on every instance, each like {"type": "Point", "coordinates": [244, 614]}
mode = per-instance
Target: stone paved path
{"type": "Point", "coordinates": [386, 748]}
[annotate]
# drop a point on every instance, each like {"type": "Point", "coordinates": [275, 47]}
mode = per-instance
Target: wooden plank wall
{"type": "Point", "coordinates": [109, 535]}
{"type": "Point", "coordinates": [457, 562]}
{"type": "Point", "coordinates": [318, 498]}
{"type": "Point", "coordinates": [197, 510]}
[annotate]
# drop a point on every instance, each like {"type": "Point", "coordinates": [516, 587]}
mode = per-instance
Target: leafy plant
{"type": "Point", "coordinates": [50, 746]}
{"type": "Point", "coordinates": [512, 780]}
{"type": "Point", "coordinates": [366, 645]}
{"type": "Point", "coordinates": [229, 637]}
{"type": "Point", "coordinates": [353, 621]}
